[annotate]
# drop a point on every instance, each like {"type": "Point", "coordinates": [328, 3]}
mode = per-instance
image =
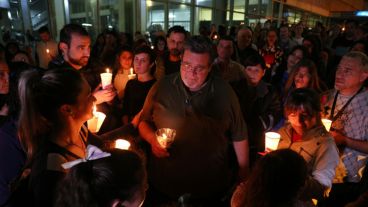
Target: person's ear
{"type": "Point", "coordinates": [63, 47]}
{"type": "Point", "coordinates": [263, 72]}
{"type": "Point", "coordinates": [67, 110]}
{"type": "Point", "coordinates": [363, 77]}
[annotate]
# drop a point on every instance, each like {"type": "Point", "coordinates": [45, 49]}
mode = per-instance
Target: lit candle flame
{"type": "Point", "coordinates": [48, 51]}
{"type": "Point", "coordinates": [215, 37]}
{"type": "Point", "coordinates": [131, 71]}
{"type": "Point", "coordinates": [107, 70]}
{"type": "Point", "coordinates": [164, 136]}
{"type": "Point", "coordinates": [152, 47]}
{"type": "Point", "coordinates": [122, 144]}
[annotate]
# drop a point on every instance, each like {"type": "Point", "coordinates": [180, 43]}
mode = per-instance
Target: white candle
{"type": "Point", "coordinates": [131, 74]}
{"type": "Point", "coordinates": [106, 78]}
{"type": "Point", "coordinates": [122, 144]}
{"type": "Point", "coordinates": [272, 141]}
{"type": "Point", "coordinates": [327, 123]}
{"type": "Point", "coordinates": [95, 123]}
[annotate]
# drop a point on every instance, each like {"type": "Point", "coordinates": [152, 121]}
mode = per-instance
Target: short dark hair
{"type": "Point", "coordinates": [226, 38]}
{"type": "Point", "coordinates": [146, 49]}
{"type": "Point", "coordinates": [43, 29]}
{"type": "Point", "coordinates": [200, 45]}
{"type": "Point", "coordinates": [254, 60]}
{"type": "Point", "coordinates": [306, 99]}
{"type": "Point", "coordinates": [69, 29]}
{"type": "Point", "coordinates": [176, 29]}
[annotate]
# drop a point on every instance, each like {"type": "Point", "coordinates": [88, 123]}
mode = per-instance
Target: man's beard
{"type": "Point", "coordinates": [175, 52]}
{"type": "Point", "coordinates": [81, 62]}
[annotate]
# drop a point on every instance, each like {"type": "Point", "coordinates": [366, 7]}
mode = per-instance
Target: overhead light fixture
{"type": "Point", "coordinates": [87, 24]}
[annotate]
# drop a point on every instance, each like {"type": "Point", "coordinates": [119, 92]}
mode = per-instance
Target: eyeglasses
{"type": "Point", "coordinates": [195, 69]}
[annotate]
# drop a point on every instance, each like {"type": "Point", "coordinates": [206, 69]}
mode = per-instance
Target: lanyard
{"type": "Point", "coordinates": [334, 118]}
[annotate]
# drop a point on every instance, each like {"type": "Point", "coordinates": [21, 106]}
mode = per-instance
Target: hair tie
{"type": "Point", "coordinates": [92, 153]}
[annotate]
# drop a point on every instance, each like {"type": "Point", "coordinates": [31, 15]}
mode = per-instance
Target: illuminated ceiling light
{"type": "Point", "coordinates": [86, 24]}
{"type": "Point", "coordinates": [149, 3]}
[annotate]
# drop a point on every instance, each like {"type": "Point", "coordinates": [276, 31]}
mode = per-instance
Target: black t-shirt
{"type": "Point", "coordinates": [135, 95]}
{"type": "Point", "coordinates": [170, 67]}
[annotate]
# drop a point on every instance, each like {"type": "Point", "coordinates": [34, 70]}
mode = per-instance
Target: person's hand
{"type": "Point", "coordinates": [340, 139]}
{"type": "Point", "coordinates": [136, 118]}
{"type": "Point", "coordinates": [104, 95]}
{"type": "Point", "coordinates": [4, 111]}
{"type": "Point", "coordinates": [157, 150]}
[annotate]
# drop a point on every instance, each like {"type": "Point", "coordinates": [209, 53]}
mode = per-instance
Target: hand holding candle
{"type": "Point", "coordinates": [165, 137]}
{"type": "Point", "coordinates": [95, 123]}
{"type": "Point", "coordinates": [131, 74]}
{"type": "Point", "coordinates": [106, 78]}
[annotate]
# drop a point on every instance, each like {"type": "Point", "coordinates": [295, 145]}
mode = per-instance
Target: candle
{"type": "Point", "coordinates": [47, 51]}
{"type": "Point", "coordinates": [272, 141]}
{"type": "Point", "coordinates": [131, 74]}
{"type": "Point", "coordinates": [95, 123]}
{"type": "Point", "coordinates": [327, 123]}
{"type": "Point", "coordinates": [152, 47]}
{"type": "Point", "coordinates": [165, 137]}
{"type": "Point", "coordinates": [106, 78]}
{"type": "Point", "coordinates": [122, 144]}
{"type": "Point", "coordinates": [215, 37]}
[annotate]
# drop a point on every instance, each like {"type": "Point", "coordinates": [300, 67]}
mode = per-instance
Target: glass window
{"type": "Point", "coordinates": [179, 14]}
{"type": "Point", "coordinates": [207, 3]}
{"type": "Point", "coordinates": [239, 6]}
{"type": "Point", "coordinates": [276, 8]}
{"type": "Point", "coordinates": [84, 13]}
{"type": "Point", "coordinates": [253, 2]}
{"type": "Point", "coordinates": [238, 16]}
{"type": "Point", "coordinates": [114, 12]}
{"type": "Point", "coordinates": [253, 9]}
{"type": "Point", "coordinates": [155, 16]}
{"type": "Point", "coordinates": [202, 23]}
{"type": "Point", "coordinates": [181, 1]}
{"type": "Point", "coordinates": [204, 14]}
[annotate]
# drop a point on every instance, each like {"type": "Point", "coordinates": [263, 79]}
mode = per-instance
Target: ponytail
{"type": "Point", "coordinates": [31, 123]}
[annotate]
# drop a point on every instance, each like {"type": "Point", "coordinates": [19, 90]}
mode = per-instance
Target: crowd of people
{"type": "Point", "coordinates": [220, 91]}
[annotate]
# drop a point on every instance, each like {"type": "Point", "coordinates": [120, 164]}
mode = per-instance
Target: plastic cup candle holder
{"type": "Point", "coordinates": [165, 137]}
{"type": "Point", "coordinates": [327, 123]}
{"type": "Point", "coordinates": [122, 144]}
{"type": "Point", "coordinates": [272, 141]}
{"type": "Point", "coordinates": [95, 123]}
{"type": "Point", "coordinates": [131, 74]}
{"type": "Point", "coordinates": [106, 78]}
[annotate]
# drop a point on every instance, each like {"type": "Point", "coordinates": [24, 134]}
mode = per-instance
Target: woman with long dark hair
{"type": "Point", "coordinates": [54, 107]}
